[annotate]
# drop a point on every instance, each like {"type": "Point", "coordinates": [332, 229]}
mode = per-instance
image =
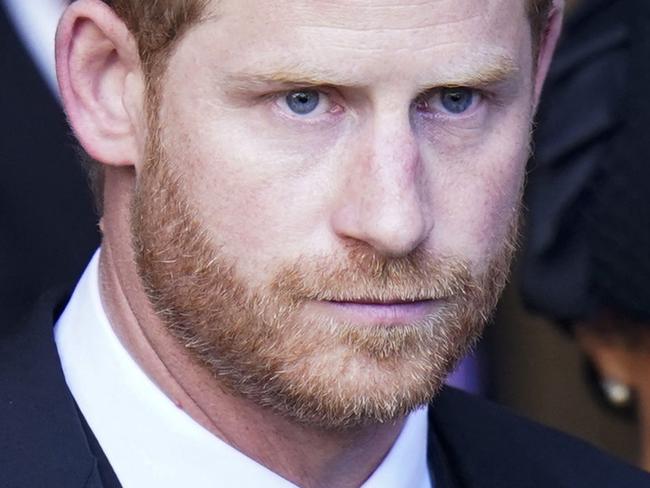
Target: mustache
{"type": "Point", "coordinates": [363, 275]}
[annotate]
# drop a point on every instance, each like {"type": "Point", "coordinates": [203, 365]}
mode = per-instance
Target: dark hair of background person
{"type": "Point", "coordinates": [586, 262]}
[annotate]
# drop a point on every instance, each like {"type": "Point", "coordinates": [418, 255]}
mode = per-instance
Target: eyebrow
{"type": "Point", "coordinates": [293, 75]}
{"type": "Point", "coordinates": [498, 69]}
{"type": "Point", "coordinates": [485, 71]}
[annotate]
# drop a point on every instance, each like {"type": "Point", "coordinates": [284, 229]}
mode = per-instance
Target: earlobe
{"type": "Point", "coordinates": [101, 82]}
{"type": "Point", "coordinates": [612, 358]}
{"type": "Point", "coordinates": [548, 42]}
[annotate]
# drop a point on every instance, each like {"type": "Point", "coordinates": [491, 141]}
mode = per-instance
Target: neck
{"type": "Point", "coordinates": [302, 454]}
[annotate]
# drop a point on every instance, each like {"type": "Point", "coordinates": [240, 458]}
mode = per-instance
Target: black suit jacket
{"type": "Point", "coordinates": [47, 224]}
{"type": "Point", "coordinates": [45, 442]}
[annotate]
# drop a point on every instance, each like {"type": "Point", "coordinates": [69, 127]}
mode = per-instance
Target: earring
{"type": "Point", "coordinates": [618, 393]}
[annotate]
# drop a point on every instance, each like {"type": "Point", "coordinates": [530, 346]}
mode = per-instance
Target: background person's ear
{"type": "Point", "coordinates": [610, 354]}
{"type": "Point", "coordinates": [101, 82]}
{"type": "Point", "coordinates": [548, 42]}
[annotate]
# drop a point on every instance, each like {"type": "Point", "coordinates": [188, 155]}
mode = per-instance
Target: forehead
{"type": "Point", "coordinates": [371, 15]}
{"type": "Point", "coordinates": [358, 36]}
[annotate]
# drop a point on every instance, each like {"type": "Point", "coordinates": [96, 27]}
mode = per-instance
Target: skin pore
{"type": "Point", "coordinates": [379, 222]}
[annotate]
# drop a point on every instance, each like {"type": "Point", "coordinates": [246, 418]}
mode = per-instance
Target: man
{"type": "Point", "coordinates": [48, 227]}
{"type": "Point", "coordinates": [308, 212]}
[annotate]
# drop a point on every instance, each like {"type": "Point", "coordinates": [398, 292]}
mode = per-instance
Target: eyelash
{"type": "Point", "coordinates": [422, 104]}
{"type": "Point", "coordinates": [278, 98]}
{"type": "Point", "coordinates": [481, 96]}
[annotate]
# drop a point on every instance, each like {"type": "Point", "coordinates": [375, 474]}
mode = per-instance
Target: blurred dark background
{"type": "Point", "coordinates": [47, 221]}
{"type": "Point", "coordinates": [48, 232]}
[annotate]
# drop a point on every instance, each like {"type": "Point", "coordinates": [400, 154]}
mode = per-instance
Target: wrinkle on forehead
{"type": "Point", "coordinates": [368, 25]}
{"type": "Point", "coordinates": [360, 15]}
{"type": "Point", "coordinates": [355, 42]}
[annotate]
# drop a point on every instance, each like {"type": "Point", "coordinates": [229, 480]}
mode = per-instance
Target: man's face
{"type": "Point", "coordinates": [326, 211]}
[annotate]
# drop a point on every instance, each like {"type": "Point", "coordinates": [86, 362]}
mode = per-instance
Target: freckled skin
{"type": "Point", "coordinates": [262, 178]}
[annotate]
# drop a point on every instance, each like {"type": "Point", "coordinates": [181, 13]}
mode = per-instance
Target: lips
{"type": "Point", "coordinates": [371, 312]}
{"type": "Point", "coordinates": [396, 301]}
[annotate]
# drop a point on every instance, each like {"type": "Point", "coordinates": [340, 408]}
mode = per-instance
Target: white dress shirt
{"type": "Point", "coordinates": [149, 441]}
{"type": "Point", "coordinates": [36, 22]}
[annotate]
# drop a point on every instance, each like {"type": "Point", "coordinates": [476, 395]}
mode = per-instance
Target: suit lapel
{"type": "Point", "coordinates": [441, 469]}
{"type": "Point", "coordinates": [476, 451]}
{"type": "Point", "coordinates": [45, 443]}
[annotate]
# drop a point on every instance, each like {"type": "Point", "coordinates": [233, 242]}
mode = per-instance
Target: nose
{"type": "Point", "coordinates": [384, 200]}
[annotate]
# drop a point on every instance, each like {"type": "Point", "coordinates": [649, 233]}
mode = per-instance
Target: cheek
{"type": "Point", "coordinates": [251, 197]}
{"type": "Point", "coordinates": [477, 198]}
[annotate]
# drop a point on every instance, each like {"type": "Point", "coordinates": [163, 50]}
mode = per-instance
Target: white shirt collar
{"type": "Point", "coordinates": [150, 442]}
{"type": "Point", "coordinates": [36, 22]}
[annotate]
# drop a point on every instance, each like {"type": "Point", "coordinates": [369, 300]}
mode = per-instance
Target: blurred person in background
{"type": "Point", "coordinates": [47, 222]}
{"type": "Point", "coordinates": [586, 263]}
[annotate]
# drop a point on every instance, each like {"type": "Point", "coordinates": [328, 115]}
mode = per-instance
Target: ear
{"type": "Point", "coordinates": [610, 354]}
{"type": "Point", "coordinates": [101, 82]}
{"type": "Point", "coordinates": [548, 42]}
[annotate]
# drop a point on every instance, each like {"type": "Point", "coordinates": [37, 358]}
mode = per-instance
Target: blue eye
{"type": "Point", "coordinates": [456, 100]}
{"type": "Point", "coordinates": [303, 102]}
